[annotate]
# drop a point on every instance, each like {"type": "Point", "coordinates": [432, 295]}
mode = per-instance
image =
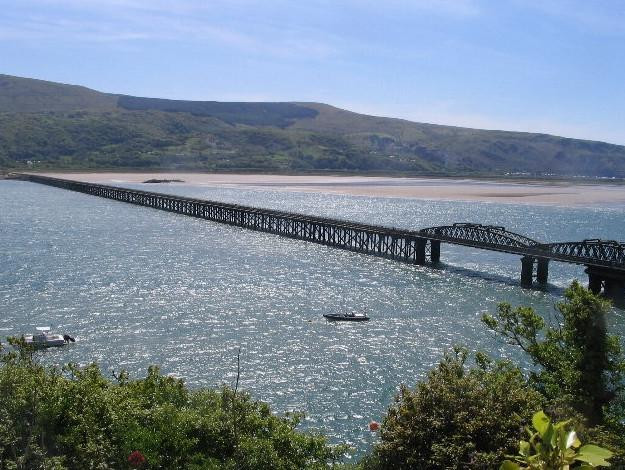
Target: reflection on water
{"type": "Point", "coordinates": [138, 286]}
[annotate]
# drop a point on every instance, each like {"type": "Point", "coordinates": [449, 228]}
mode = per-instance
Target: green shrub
{"type": "Point", "coordinates": [580, 368]}
{"type": "Point", "coordinates": [76, 418]}
{"type": "Point", "coordinates": [578, 362]}
{"type": "Point", "coordinates": [456, 418]}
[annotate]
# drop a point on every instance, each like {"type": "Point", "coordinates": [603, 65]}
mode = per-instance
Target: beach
{"type": "Point", "coordinates": [453, 189]}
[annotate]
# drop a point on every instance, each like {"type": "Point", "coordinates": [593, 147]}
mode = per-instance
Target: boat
{"type": "Point", "coordinates": [346, 317]}
{"type": "Point", "coordinates": [43, 338]}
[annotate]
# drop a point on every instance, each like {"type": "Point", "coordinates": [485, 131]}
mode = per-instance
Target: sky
{"type": "Point", "coordinates": [552, 66]}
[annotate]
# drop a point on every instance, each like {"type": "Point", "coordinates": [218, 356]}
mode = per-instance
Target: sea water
{"type": "Point", "coordinates": [138, 286]}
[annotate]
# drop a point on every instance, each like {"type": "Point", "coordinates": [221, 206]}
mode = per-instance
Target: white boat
{"type": "Point", "coordinates": [44, 339]}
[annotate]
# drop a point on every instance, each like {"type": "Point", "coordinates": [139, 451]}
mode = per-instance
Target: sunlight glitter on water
{"type": "Point", "coordinates": [138, 286]}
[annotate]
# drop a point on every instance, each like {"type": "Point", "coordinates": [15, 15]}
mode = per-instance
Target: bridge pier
{"type": "Point", "coordinates": [542, 270]}
{"type": "Point", "coordinates": [527, 270]}
{"type": "Point", "coordinates": [420, 250]}
{"type": "Point", "coordinates": [435, 251]}
{"type": "Point", "coordinates": [609, 282]}
{"type": "Point", "coordinates": [594, 282]}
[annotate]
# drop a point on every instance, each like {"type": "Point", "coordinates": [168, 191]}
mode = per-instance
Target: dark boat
{"type": "Point", "coordinates": [346, 317]}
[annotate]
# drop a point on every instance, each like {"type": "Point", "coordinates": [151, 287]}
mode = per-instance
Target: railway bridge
{"type": "Point", "coordinates": [604, 259]}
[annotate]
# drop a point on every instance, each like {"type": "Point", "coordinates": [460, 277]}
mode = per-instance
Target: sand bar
{"type": "Point", "coordinates": [526, 192]}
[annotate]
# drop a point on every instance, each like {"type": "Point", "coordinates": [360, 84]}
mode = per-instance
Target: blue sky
{"type": "Point", "coordinates": [554, 66]}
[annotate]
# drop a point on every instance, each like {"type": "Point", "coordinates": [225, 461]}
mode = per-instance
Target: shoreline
{"type": "Point", "coordinates": [533, 192]}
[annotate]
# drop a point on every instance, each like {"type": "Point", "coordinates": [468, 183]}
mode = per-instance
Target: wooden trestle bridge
{"type": "Point", "coordinates": [604, 260]}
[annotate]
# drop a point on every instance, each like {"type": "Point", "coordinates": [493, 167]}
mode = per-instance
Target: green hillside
{"type": "Point", "coordinates": [251, 114]}
{"type": "Point", "coordinates": [19, 95]}
{"type": "Point", "coordinates": [51, 125]}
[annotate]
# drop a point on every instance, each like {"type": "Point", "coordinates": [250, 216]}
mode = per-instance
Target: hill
{"type": "Point", "coordinates": [52, 125]}
{"type": "Point", "coordinates": [19, 95]}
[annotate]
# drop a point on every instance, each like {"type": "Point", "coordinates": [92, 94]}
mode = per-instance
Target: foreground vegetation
{"type": "Point", "coordinates": [484, 416]}
{"type": "Point", "coordinates": [78, 419]}
{"type": "Point", "coordinates": [473, 418]}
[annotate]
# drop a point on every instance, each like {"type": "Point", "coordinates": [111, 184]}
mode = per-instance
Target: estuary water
{"type": "Point", "coordinates": [137, 286]}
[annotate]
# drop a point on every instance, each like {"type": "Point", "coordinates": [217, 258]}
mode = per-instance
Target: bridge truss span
{"type": "Point", "coordinates": [481, 236]}
{"type": "Point", "coordinates": [595, 252]}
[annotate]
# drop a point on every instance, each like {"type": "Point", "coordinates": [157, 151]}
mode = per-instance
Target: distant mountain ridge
{"type": "Point", "coordinates": [31, 95]}
{"type": "Point", "coordinates": [52, 125]}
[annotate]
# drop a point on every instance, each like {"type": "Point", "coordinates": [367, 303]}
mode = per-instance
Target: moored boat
{"type": "Point", "coordinates": [44, 339]}
{"type": "Point", "coordinates": [346, 317]}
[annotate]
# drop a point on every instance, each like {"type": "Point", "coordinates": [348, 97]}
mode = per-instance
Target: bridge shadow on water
{"type": "Point", "coordinates": [495, 278]}
{"type": "Point", "coordinates": [510, 281]}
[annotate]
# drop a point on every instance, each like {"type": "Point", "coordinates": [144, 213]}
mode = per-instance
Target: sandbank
{"type": "Point", "coordinates": [502, 191]}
